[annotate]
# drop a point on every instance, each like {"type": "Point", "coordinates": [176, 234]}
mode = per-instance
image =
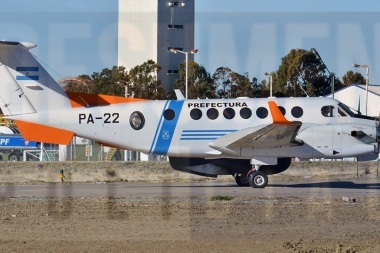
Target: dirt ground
{"type": "Point", "coordinates": [186, 224]}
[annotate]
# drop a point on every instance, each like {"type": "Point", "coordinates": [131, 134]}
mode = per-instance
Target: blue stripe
{"type": "Point", "coordinates": [183, 135]}
{"type": "Point", "coordinates": [166, 132]}
{"type": "Point", "coordinates": [158, 127]}
{"type": "Point", "coordinates": [198, 139]}
{"type": "Point", "coordinates": [27, 78]}
{"type": "Point", "coordinates": [26, 68]}
{"type": "Point", "coordinates": [203, 135]}
{"type": "Point", "coordinates": [186, 131]}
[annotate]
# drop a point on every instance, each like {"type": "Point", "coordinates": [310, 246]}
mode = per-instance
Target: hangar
{"type": "Point", "coordinates": [357, 97]}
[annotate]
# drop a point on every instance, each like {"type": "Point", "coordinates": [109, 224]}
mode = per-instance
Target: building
{"type": "Point", "coordinates": [355, 96]}
{"type": "Point", "coordinates": [149, 28]}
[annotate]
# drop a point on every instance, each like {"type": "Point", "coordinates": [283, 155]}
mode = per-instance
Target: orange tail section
{"type": "Point", "coordinates": [41, 133]}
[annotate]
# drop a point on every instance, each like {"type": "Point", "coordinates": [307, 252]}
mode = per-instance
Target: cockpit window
{"type": "Point", "coordinates": [327, 111]}
{"type": "Point", "coordinates": [341, 112]}
{"type": "Point", "coordinates": [353, 113]}
{"type": "Point", "coordinates": [347, 109]}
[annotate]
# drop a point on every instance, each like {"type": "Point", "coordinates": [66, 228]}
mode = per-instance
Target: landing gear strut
{"type": "Point", "coordinates": [257, 178]}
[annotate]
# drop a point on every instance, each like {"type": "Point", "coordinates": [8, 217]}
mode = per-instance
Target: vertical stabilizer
{"type": "Point", "coordinates": [25, 86]}
{"type": "Point", "coordinates": [12, 97]}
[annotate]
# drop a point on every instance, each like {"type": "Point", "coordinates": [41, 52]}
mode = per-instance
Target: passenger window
{"type": "Point", "coordinates": [229, 113]}
{"type": "Point", "coordinates": [169, 114]}
{"type": "Point", "coordinates": [245, 113]}
{"type": "Point", "coordinates": [327, 111]}
{"type": "Point", "coordinates": [262, 112]}
{"type": "Point", "coordinates": [212, 113]}
{"type": "Point", "coordinates": [196, 114]}
{"type": "Point", "coordinates": [297, 112]}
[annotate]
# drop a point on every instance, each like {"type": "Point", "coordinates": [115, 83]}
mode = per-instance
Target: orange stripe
{"type": "Point", "coordinates": [78, 99]}
{"type": "Point", "coordinates": [277, 115]}
{"type": "Point", "coordinates": [41, 133]}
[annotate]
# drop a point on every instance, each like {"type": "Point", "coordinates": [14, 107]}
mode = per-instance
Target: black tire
{"type": "Point", "coordinates": [14, 158]}
{"type": "Point", "coordinates": [258, 179]}
{"type": "Point", "coordinates": [241, 180]}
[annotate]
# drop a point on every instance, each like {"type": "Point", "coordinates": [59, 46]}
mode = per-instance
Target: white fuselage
{"type": "Point", "coordinates": [186, 127]}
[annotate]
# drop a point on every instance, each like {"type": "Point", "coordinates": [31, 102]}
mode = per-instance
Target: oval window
{"type": "Point", "coordinates": [245, 113]}
{"type": "Point", "coordinates": [229, 113]}
{"type": "Point", "coordinates": [136, 120]}
{"type": "Point", "coordinates": [196, 114]}
{"type": "Point", "coordinates": [297, 112]}
{"type": "Point", "coordinates": [212, 113]}
{"type": "Point", "coordinates": [169, 114]}
{"type": "Point", "coordinates": [262, 112]}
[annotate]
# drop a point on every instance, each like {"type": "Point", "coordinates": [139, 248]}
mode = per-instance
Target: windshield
{"type": "Point", "coordinates": [348, 110]}
{"type": "Point", "coordinates": [352, 112]}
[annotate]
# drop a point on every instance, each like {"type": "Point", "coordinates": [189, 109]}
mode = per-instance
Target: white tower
{"type": "Point", "coordinates": [149, 28]}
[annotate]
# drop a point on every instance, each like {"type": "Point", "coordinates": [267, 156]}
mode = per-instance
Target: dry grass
{"type": "Point", "coordinates": [34, 172]}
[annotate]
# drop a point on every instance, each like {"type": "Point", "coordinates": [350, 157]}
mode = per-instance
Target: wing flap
{"type": "Point", "coordinates": [281, 133]}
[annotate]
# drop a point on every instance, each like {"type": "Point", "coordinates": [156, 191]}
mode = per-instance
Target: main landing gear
{"type": "Point", "coordinates": [257, 178]}
{"type": "Point", "coordinates": [241, 180]}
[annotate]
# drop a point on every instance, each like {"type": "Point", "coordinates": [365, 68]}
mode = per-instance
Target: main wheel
{"type": "Point", "coordinates": [258, 179]}
{"type": "Point", "coordinates": [241, 180]}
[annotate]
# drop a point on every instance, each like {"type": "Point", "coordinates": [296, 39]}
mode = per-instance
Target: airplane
{"type": "Point", "coordinates": [248, 138]}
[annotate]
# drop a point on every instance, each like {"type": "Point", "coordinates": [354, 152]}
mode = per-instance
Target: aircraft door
{"type": "Point", "coordinates": [327, 141]}
{"type": "Point", "coordinates": [337, 141]}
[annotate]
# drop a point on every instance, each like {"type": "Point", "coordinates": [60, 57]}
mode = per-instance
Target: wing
{"type": "Point", "coordinates": [281, 133]}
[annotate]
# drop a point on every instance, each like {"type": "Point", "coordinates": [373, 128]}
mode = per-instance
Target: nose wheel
{"type": "Point", "coordinates": [257, 179]}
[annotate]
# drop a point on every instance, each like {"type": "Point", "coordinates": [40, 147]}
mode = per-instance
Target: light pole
{"type": "Point", "coordinates": [366, 83]}
{"type": "Point", "coordinates": [270, 83]}
{"type": "Point", "coordinates": [332, 75]}
{"type": "Point", "coordinates": [194, 51]}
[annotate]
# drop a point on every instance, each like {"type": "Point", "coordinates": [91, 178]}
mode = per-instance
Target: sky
{"type": "Point", "coordinates": [80, 36]}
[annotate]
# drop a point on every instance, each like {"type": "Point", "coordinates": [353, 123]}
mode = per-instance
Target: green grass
{"type": "Point", "coordinates": [220, 197]}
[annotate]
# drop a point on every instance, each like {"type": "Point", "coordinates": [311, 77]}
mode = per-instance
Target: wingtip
{"type": "Point", "coordinates": [277, 115]}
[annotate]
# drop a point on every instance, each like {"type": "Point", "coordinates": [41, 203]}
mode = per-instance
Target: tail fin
{"type": "Point", "coordinates": [25, 86]}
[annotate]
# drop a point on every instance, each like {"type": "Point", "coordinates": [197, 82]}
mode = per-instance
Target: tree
{"type": "Point", "coordinates": [257, 87]}
{"type": "Point", "coordinates": [82, 83]}
{"type": "Point", "coordinates": [110, 81]}
{"type": "Point", "coordinates": [301, 71]}
{"type": "Point", "coordinates": [353, 77]}
{"type": "Point", "coordinates": [200, 83]}
{"type": "Point", "coordinates": [143, 83]}
{"type": "Point", "coordinates": [222, 80]}
{"type": "Point", "coordinates": [240, 86]}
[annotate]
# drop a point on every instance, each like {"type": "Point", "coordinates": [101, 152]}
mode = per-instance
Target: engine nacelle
{"type": "Point", "coordinates": [223, 166]}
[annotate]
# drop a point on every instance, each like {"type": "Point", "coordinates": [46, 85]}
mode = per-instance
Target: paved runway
{"type": "Point", "coordinates": [354, 188]}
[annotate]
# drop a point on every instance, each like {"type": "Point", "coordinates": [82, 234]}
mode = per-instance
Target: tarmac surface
{"type": "Point", "coordinates": [106, 207]}
{"type": "Point", "coordinates": [352, 188]}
